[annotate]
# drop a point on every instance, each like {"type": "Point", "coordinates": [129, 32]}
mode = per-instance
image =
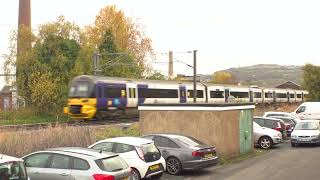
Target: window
{"type": "Point", "coordinates": [259, 121]}
{"type": "Point", "coordinates": [132, 92]}
{"type": "Point", "coordinates": [291, 95]}
{"type": "Point", "coordinates": [60, 162]}
{"type": "Point", "coordinates": [114, 92]}
{"type": "Point", "coordinates": [257, 94]}
{"type": "Point", "coordinates": [269, 123]}
{"type": "Point", "coordinates": [164, 142]}
{"type": "Point", "coordinates": [105, 146]}
{"type": "Point", "coordinates": [80, 164]}
{"type": "Point", "coordinates": [268, 95]}
{"type": "Point", "coordinates": [199, 93]}
{"type": "Point", "coordinates": [13, 170]}
{"type": "Point", "coordinates": [122, 148]}
{"type": "Point", "coordinates": [112, 164]}
{"type": "Point", "coordinates": [216, 94]}
{"type": "Point", "coordinates": [239, 94]}
{"type": "Point", "coordinates": [299, 96]}
{"type": "Point", "coordinates": [301, 109]}
{"type": "Point", "coordinates": [281, 95]}
{"type": "Point", "coordinates": [158, 93]}
{"type": "Point", "coordinates": [38, 160]}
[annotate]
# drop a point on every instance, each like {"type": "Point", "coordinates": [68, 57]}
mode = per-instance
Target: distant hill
{"type": "Point", "coordinates": [267, 75]}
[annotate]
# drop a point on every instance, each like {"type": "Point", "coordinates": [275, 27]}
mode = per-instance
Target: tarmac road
{"type": "Point", "coordinates": [282, 162]}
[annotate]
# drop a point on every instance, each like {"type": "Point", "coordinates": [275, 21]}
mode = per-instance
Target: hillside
{"type": "Point", "coordinates": [268, 75]}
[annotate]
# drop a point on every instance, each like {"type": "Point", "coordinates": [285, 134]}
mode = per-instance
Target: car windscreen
{"type": "Point", "coordinates": [189, 141]}
{"type": "Point", "coordinates": [307, 126]}
{"type": "Point", "coordinates": [13, 171]}
{"type": "Point", "coordinates": [112, 164]}
{"type": "Point", "coordinates": [150, 152]}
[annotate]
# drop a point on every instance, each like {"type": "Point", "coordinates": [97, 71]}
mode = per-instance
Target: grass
{"type": "Point", "coordinates": [254, 153]}
{"type": "Point", "coordinates": [21, 143]}
{"type": "Point", "coordinates": [27, 116]}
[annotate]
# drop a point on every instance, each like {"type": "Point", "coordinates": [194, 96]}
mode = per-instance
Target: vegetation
{"type": "Point", "coordinates": [311, 81]}
{"type": "Point", "coordinates": [157, 76]}
{"type": "Point", "coordinates": [23, 142]}
{"type": "Point", "coordinates": [223, 77]}
{"type": "Point", "coordinates": [61, 50]}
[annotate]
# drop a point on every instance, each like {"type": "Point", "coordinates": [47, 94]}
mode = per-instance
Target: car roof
{"type": "Point", "coordinates": [134, 141]}
{"type": "Point", "coordinates": [80, 152]}
{"type": "Point", "coordinates": [5, 159]}
{"type": "Point", "coordinates": [309, 120]}
{"type": "Point", "coordinates": [268, 118]}
{"type": "Point", "coordinates": [168, 135]}
{"type": "Point", "coordinates": [275, 112]}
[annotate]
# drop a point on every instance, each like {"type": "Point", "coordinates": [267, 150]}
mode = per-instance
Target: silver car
{"type": "Point", "coordinates": [75, 164]}
{"type": "Point", "coordinates": [184, 152]}
{"type": "Point", "coordinates": [12, 168]}
{"type": "Point", "coordinates": [265, 137]}
{"type": "Point", "coordinates": [306, 132]}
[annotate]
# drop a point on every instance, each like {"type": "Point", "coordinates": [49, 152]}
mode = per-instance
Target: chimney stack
{"type": "Point", "coordinates": [170, 75]}
{"type": "Point", "coordinates": [24, 25]}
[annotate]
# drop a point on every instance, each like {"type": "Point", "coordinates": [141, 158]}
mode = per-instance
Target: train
{"type": "Point", "coordinates": [97, 97]}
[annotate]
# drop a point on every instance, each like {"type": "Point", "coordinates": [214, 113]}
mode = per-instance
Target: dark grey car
{"type": "Point", "coordinates": [184, 152]}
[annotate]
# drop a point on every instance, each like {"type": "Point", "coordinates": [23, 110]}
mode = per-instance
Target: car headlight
{"type": "Point", "coordinates": [314, 136]}
{"type": "Point", "coordinates": [294, 136]}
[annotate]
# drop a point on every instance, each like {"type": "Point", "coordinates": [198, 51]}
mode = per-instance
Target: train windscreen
{"type": "Point", "coordinates": [80, 89]}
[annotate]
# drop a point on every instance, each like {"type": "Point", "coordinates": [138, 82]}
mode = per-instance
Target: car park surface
{"type": "Point", "coordinates": [141, 155]}
{"type": "Point", "coordinates": [76, 164]}
{"type": "Point", "coordinates": [183, 152]}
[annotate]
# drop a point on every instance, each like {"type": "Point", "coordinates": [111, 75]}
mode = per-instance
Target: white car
{"type": "Point", "coordinates": [306, 132]}
{"type": "Point", "coordinates": [266, 137]}
{"type": "Point", "coordinates": [140, 154]}
{"type": "Point", "coordinates": [12, 168]}
{"type": "Point", "coordinates": [308, 110]}
{"type": "Point", "coordinates": [280, 114]}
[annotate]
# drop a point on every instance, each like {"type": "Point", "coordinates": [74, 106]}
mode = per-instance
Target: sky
{"type": "Point", "coordinates": [226, 33]}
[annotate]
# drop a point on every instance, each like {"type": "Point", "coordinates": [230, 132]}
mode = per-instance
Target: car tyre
{"type": "Point", "coordinates": [173, 166]}
{"type": "Point", "coordinates": [293, 145]}
{"type": "Point", "coordinates": [135, 175]}
{"type": "Point", "coordinates": [265, 142]}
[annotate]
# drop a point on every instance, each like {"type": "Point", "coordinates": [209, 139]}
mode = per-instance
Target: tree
{"type": "Point", "coordinates": [156, 76]}
{"type": "Point", "coordinates": [223, 77]}
{"type": "Point", "coordinates": [311, 81]}
{"type": "Point", "coordinates": [128, 37]}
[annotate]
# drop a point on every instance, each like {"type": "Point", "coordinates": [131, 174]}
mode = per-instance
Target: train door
{"type": "Point", "coordinates": [251, 96]}
{"type": "Point", "coordinates": [288, 96]}
{"type": "Point", "coordinates": [132, 95]}
{"type": "Point", "coordinates": [226, 95]}
{"type": "Point", "coordinates": [101, 101]}
{"type": "Point", "coordinates": [142, 91]}
{"type": "Point", "coordinates": [302, 96]}
{"type": "Point", "coordinates": [274, 96]}
{"type": "Point", "coordinates": [183, 93]}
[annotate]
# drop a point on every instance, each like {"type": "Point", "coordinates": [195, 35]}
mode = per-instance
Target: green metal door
{"type": "Point", "coordinates": [245, 130]}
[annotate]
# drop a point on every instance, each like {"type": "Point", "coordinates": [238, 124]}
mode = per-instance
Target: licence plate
{"type": "Point", "coordinates": [304, 140]}
{"type": "Point", "coordinates": [154, 167]}
{"type": "Point", "coordinates": [209, 155]}
{"type": "Point", "coordinates": [125, 178]}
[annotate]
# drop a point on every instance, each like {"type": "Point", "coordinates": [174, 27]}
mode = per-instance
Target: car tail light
{"type": "Point", "coordinates": [278, 128]}
{"type": "Point", "coordinates": [197, 153]}
{"type": "Point", "coordinates": [103, 177]}
{"type": "Point", "coordinates": [140, 153]}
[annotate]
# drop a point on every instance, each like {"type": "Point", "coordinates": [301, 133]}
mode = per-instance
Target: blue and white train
{"type": "Point", "coordinates": [93, 97]}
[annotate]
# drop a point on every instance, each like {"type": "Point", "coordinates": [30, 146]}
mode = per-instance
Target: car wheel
{"type": "Point", "coordinates": [158, 176]}
{"type": "Point", "coordinates": [265, 142]}
{"type": "Point", "coordinates": [173, 166]}
{"type": "Point", "coordinates": [135, 175]}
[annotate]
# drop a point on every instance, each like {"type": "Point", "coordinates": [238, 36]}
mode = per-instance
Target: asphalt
{"type": "Point", "coordinates": [281, 162]}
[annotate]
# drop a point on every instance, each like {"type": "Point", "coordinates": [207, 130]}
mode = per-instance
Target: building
{"type": "Point", "coordinates": [289, 85]}
{"type": "Point", "coordinates": [8, 98]}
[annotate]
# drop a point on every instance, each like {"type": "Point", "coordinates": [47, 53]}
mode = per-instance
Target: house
{"type": "Point", "coordinates": [289, 85]}
{"type": "Point", "coordinates": [8, 98]}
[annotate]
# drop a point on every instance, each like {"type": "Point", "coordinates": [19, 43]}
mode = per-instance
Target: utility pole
{"type": "Point", "coordinates": [96, 63]}
{"type": "Point", "coordinates": [194, 76]}
{"type": "Point", "coordinates": [170, 74]}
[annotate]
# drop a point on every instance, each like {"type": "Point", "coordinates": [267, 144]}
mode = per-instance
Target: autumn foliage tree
{"type": "Point", "coordinates": [311, 81]}
{"type": "Point", "coordinates": [223, 77]}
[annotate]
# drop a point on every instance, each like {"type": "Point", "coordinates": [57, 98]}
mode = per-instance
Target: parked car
{"type": "Point", "coordinates": [12, 168]}
{"type": "Point", "coordinates": [184, 152]}
{"type": "Point", "coordinates": [76, 163]}
{"type": "Point", "coordinates": [265, 137]}
{"type": "Point", "coordinates": [276, 124]}
{"type": "Point", "coordinates": [289, 123]}
{"type": "Point", "coordinates": [306, 132]}
{"type": "Point", "coordinates": [141, 154]}
{"type": "Point", "coordinates": [308, 110]}
{"type": "Point", "coordinates": [282, 114]}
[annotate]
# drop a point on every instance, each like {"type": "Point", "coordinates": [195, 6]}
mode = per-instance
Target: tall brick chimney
{"type": "Point", "coordinates": [24, 22]}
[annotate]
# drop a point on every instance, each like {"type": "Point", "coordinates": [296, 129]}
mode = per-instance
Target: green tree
{"type": "Point", "coordinates": [311, 81]}
{"type": "Point", "coordinates": [156, 76]}
{"type": "Point", "coordinates": [223, 77]}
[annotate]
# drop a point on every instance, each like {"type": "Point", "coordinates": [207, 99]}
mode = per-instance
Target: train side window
{"type": "Point", "coordinates": [132, 92]}
{"type": "Point", "coordinates": [216, 94]}
{"type": "Point", "coordinates": [199, 93]}
{"type": "Point", "coordinates": [239, 94]}
{"type": "Point", "coordinates": [257, 94]}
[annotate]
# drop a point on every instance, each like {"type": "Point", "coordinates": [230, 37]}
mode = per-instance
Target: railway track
{"type": "Point", "coordinates": [80, 123]}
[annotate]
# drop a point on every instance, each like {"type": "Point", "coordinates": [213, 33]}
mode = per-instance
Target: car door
{"type": "Point", "coordinates": [59, 168]}
{"type": "Point", "coordinates": [166, 146]}
{"type": "Point", "coordinates": [37, 165]}
{"type": "Point", "coordinates": [80, 169]}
